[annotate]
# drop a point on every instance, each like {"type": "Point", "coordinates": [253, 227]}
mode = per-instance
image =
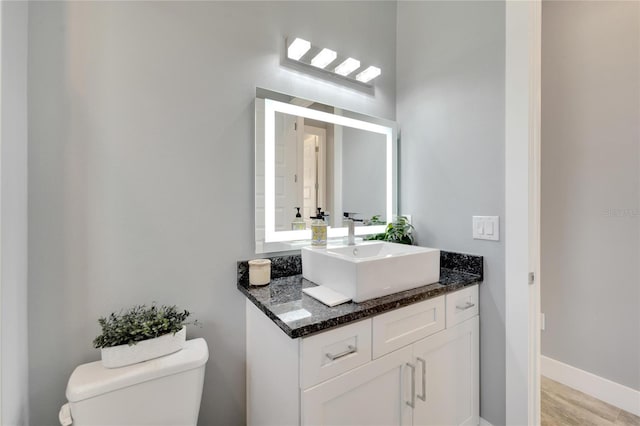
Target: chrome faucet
{"type": "Point", "coordinates": [351, 239]}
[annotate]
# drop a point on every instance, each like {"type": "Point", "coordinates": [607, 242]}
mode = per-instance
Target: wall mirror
{"type": "Point", "coordinates": [311, 156]}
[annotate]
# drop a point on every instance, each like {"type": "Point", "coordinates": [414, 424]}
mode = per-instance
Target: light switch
{"type": "Point", "coordinates": [486, 228]}
{"type": "Point", "coordinates": [489, 228]}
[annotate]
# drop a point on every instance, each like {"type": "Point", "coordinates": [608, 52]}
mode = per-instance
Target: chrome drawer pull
{"type": "Point", "coordinates": [350, 350]}
{"type": "Point", "coordinates": [424, 379]}
{"type": "Point", "coordinates": [412, 403]}
{"type": "Point", "coordinates": [466, 306]}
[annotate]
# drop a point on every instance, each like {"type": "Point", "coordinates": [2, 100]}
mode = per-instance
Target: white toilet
{"type": "Point", "coordinates": [162, 391]}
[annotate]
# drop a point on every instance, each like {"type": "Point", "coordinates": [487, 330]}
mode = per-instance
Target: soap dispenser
{"type": "Point", "coordinates": [318, 230]}
{"type": "Point", "coordinates": [298, 223]}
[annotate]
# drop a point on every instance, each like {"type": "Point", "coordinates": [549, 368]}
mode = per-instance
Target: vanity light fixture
{"type": "Point", "coordinates": [298, 48]}
{"type": "Point", "coordinates": [302, 52]}
{"type": "Point", "coordinates": [368, 74]}
{"type": "Point", "coordinates": [347, 67]}
{"type": "Point", "coordinates": [324, 58]}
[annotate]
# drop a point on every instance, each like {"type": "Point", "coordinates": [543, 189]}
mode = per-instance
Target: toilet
{"type": "Point", "coordinates": [161, 391]}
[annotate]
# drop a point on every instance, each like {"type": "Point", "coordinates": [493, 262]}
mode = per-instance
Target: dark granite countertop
{"type": "Point", "coordinates": [300, 315]}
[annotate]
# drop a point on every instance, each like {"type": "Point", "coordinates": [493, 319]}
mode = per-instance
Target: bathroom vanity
{"type": "Point", "coordinates": [409, 358]}
{"type": "Point", "coordinates": [402, 355]}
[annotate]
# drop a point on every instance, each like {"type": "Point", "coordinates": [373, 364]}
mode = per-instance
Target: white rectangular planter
{"type": "Point", "coordinates": [119, 356]}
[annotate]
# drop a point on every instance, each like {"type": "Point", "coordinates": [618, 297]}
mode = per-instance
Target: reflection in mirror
{"type": "Point", "coordinates": [363, 172]}
{"type": "Point", "coordinates": [313, 158]}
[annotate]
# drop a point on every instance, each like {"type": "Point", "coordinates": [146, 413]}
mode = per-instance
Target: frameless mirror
{"type": "Point", "coordinates": [312, 156]}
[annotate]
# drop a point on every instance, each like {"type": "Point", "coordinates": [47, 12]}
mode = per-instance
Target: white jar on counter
{"type": "Point", "coordinates": [259, 271]}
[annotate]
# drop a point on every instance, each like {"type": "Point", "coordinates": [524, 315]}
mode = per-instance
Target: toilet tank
{"type": "Point", "coordinates": [161, 391]}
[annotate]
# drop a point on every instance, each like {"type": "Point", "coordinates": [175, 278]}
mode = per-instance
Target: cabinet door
{"type": "Point", "coordinates": [447, 377]}
{"type": "Point", "coordinates": [373, 394]}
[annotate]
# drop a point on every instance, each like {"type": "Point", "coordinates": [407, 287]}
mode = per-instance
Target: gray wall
{"type": "Point", "coordinates": [591, 187]}
{"type": "Point", "coordinates": [450, 106]}
{"type": "Point", "coordinates": [13, 295]}
{"type": "Point", "coordinates": [141, 165]}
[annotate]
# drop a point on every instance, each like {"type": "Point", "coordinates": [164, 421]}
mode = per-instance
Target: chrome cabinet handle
{"type": "Point", "coordinates": [424, 379]}
{"type": "Point", "coordinates": [350, 350]}
{"type": "Point", "coordinates": [412, 403]}
{"type": "Point", "coordinates": [466, 306]}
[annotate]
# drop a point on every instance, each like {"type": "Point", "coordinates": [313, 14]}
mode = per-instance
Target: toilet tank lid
{"type": "Point", "coordinates": [92, 379]}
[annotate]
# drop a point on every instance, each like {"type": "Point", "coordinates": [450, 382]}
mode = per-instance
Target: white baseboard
{"type": "Point", "coordinates": [613, 393]}
{"type": "Point", "coordinates": [483, 422]}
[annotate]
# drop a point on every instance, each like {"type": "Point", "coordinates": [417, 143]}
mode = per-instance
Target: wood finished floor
{"type": "Point", "coordinates": [565, 406]}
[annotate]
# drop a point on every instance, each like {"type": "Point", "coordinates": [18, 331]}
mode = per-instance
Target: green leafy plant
{"type": "Point", "coordinates": [376, 220]}
{"type": "Point", "coordinates": [140, 323]}
{"type": "Point", "coordinates": [398, 231]}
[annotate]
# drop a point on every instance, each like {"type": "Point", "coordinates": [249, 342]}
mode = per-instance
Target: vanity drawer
{"type": "Point", "coordinates": [462, 305]}
{"type": "Point", "coordinates": [404, 326]}
{"type": "Point", "coordinates": [331, 353]}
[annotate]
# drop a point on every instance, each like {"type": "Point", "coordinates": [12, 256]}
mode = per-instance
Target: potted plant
{"type": "Point", "coordinates": [398, 231]}
{"type": "Point", "coordinates": [141, 333]}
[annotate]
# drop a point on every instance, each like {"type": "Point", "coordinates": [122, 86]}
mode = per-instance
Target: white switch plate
{"type": "Point", "coordinates": [486, 228]}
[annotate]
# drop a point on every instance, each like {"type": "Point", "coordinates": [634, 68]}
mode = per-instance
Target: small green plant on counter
{"type": "Point", "coordinates": [140, 323]}
{"type": "Point", "coordinates": [398, 231]}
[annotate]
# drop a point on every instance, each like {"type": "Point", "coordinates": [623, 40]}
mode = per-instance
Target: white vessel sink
{"type": "Point", "coordinates": [371, 269]}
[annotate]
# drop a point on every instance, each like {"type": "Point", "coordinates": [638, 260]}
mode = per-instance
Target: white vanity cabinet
{"type": "Point", "coordinates": [415, 365]}
{"type": "Point", "coordinates": [373, 394]}
{"type": "Point", "coordinates": [447, 376]}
